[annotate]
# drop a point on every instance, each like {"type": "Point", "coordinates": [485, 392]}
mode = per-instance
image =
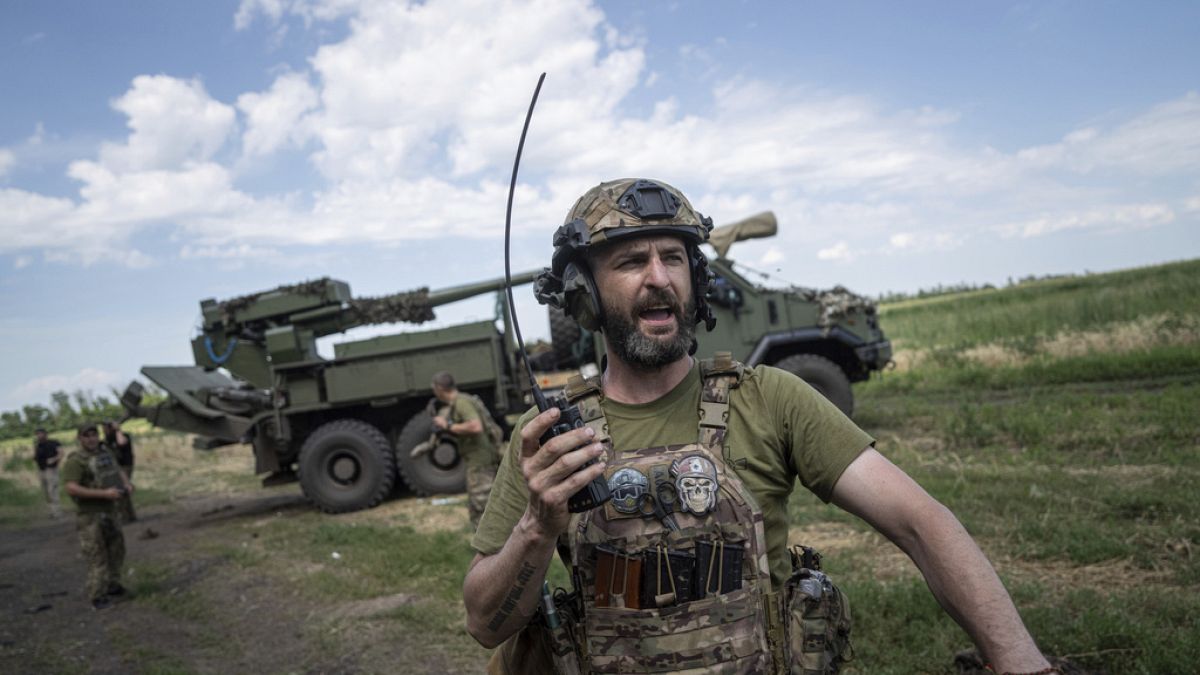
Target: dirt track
{"type": "Point", "coordinates": [208, 616]}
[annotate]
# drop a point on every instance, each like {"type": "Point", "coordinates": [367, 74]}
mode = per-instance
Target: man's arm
{"type": "Point", "coordinates": [501, 590]}
{"type": "Point", "coordinates": [957, 572]}
{"type": "Point", "coordinates": [76, 490]}
{"type": "Point", "coordinates": [469, 426]}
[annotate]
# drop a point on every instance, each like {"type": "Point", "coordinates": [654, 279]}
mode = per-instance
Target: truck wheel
{"type": "Point", "coordinates": [565, 335]}
{"type": "Point", "coordinates": [346, 465]}
{"type": "Point", "coordinates": [440, 470]}
{"type": "Point", "coordinates": [823, 375]}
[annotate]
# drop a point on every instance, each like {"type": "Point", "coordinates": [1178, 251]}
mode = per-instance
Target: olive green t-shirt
{"type": "Point", "coordinates": [77, 468]}
{"type": "Point", "coordinates": [475, 449]}
{"type": "Point", "coordinates": [780, 430]}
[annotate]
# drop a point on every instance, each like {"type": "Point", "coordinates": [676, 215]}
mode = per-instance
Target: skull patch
{"type": "Point", "coordinates": [627, 487]}
{"type": "Point", "coordinates": [696, 483]}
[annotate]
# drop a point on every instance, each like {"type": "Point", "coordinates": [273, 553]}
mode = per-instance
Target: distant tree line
{"type": "Point", "coordinates": [65, 412]}
{"type": "Point", "coordinates": [963, 287]}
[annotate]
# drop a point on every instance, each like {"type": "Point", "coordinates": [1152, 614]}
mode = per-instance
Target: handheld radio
{"type": "Point", "coordinates": [595, 493]}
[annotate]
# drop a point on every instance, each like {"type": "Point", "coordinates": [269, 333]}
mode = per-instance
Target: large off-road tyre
{"type": "Point", "coordinates": [565, 336]}
{"type": "Point", "coordinates": [823, 375]}
{"type": "Point", "coordinates": [346, 465]}
{"type": "Point", "coordinates": [438, 471]}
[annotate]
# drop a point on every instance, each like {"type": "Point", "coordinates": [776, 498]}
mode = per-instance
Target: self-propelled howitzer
{"type": "Point", "coordinates": [344, 425]}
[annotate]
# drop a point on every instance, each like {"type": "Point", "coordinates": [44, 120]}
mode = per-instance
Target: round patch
{"type": "Point", "coordinates": [627, 487]}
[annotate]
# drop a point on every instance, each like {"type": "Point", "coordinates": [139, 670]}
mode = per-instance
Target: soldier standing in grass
{"type": "Point", "coordinates": [47, 453]}
{"type": "Point", "coordinates": [687, 566]}
{"type": "Point", "coordinates": [120, 444]}
{"type": "Point", "coordinates": [96, 483]}
{"type": "Point", "coordinates": [463, 416]}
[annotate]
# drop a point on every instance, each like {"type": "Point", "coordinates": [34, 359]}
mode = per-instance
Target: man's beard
{"type": "Point", "coordinates": [644, 352]}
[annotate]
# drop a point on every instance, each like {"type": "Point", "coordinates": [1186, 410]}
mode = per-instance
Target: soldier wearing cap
{"type": "Point", "coordinates": [96, 484]}
{"type": "Point", "coordinates": [693, 499]}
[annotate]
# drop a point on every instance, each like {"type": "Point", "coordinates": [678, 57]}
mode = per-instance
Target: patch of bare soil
{"type": "Point", "coordinates": [831, 539]}
{"type": "Point", "coordinates": [206, 614]}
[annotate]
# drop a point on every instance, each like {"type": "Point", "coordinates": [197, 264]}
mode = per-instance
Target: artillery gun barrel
{"type": "Point", "coordinates": [414, 306]}
{"type": "Point", "coordinates": [446, 296]}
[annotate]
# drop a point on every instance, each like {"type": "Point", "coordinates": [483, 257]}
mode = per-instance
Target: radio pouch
{"type": "Point", "coordinates": [816, 618]}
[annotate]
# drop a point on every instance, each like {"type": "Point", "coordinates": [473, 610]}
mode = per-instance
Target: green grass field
{"type": "Point", "coordinates": [1060, 421]}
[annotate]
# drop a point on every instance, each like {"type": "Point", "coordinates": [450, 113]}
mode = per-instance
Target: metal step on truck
{"type": "Point", "coordinates": [344, 426]}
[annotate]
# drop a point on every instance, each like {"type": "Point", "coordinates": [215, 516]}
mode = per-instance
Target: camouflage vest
{"type": "Point", "coordinates": [672, 573]}
{"type": "Point", "coordinates": [104, 469]}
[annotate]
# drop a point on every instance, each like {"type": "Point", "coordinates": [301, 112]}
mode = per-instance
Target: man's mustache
{"type": "Point", "coordinates": [658, 298]}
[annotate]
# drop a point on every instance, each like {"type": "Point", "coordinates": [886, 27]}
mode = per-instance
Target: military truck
{"type": "Point", "coordinates": [344, 426]}
{"type": "Point", "coordinates": [829, 338]}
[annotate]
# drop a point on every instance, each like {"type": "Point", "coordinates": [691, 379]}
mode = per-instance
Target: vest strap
{"type": "Point", "coordinates": [718, 375]}
{"type": "Point", "coordinates": [586, 394]}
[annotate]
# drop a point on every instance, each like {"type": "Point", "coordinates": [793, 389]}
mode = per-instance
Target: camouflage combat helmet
{"type": "Point", "coordinates": [612, 211]}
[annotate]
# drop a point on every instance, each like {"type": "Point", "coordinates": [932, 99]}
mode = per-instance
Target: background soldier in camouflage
{"type": "Point", "coordinates": [96, 483]}
{"type": "Point", "coordinates": [463, 418]}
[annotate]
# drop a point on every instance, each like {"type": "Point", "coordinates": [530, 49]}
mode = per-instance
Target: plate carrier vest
{"type": "Point", "coordinates": [677, 515]}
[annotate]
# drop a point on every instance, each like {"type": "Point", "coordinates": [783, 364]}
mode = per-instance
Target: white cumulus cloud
{"type": "Point", "coordinates": [1128, 216]}
{"type": "Point", "coordinates": [172, 122]}
{"type": "Point", "coordinates": [275, 118]}
{"type": "Point", "coordinates": [38, 389]}
{"type": "Point", "coordinates": [410, 116]}
{"type": "Point", "coordinates": [839, 251]}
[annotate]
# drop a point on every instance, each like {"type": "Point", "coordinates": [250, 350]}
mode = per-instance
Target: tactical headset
{"type": "Point", "coordinates": [654, 209]}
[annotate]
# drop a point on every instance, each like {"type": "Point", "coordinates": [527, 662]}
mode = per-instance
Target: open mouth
{"type": "Point", "coordinates": [657, 315]}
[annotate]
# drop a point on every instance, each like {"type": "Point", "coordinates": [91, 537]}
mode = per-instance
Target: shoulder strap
{"type": "Point", "coordinates": [717, 375]}
{"type": "Point", "coordinates": [586, 394]}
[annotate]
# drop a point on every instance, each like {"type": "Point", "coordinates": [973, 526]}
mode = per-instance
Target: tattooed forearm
{"type": "Point", "coordinates": [514, 596]}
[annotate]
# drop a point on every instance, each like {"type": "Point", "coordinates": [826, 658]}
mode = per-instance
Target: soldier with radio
{"type": "Point", "coordinates": [687, 566]}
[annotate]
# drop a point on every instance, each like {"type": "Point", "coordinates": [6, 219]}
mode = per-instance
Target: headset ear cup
{"type": "Point", "coordinates": [582, 300]}
{"type": "Point", "coordinates": [701, 280]}
{"type": "Point", "coordinates": [548, 289]}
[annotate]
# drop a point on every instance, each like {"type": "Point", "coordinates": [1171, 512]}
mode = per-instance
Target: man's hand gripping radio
{"type": "Point", "coordinates": [594, 493]}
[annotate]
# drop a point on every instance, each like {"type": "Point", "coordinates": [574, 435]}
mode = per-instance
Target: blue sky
{"type": "Point", "coordinates": [154, 154]}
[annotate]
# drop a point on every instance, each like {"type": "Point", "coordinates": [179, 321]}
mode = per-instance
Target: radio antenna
{"type": "Point", "coordinates": [596, 492]}
{"type": "Point", "coordinates": [538, 397]}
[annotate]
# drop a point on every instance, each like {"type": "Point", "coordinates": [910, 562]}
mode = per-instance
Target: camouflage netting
{"type": "Point", "coordinates": [411, 307]}
{"type": "Point", "coordinates": [232, 306]}
{"type": "Point", "coordinates": [836, 303]}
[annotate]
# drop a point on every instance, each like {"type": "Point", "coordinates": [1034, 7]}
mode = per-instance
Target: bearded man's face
{"type": "Point", "coordinates": [646, 290]}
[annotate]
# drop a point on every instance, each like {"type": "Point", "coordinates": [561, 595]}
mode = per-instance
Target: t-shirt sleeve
{"type": "Point", "coordinates": [72, 470]}
{"type": "Point", "coordinates": [508, 499]}
{"type": "Point", "coordinates": [464, 411]}
{"type": "Point", "coordinates": [820, 440]}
